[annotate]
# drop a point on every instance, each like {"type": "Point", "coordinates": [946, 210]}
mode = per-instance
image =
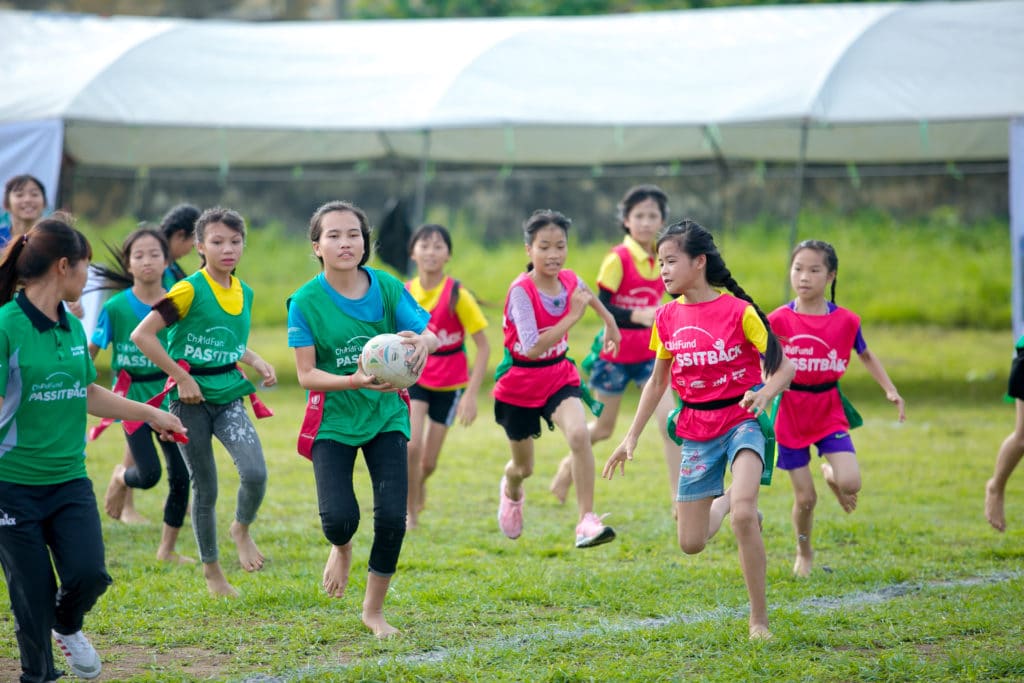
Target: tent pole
{"type": "Point", "coordinates": [798, 198]}
{"type": "Point", "coordinates": [420, 207]}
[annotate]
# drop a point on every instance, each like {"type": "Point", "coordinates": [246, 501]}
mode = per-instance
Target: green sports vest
{"type": "Point", "coordinates": [209, 337]}
{"type": "Point", "coordinates": [125, 354]}
{"type": "Point", "coordinates": [44, 378]}
{"type": "Point", "coordinates": [351, 417]}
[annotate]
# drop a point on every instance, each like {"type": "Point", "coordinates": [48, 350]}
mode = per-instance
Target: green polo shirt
{"type": "Point", "coordinates": [45, 371]}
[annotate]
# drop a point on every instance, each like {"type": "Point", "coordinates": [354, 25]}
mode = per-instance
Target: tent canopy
{"type": "Point", "coordinates": [896, 82]}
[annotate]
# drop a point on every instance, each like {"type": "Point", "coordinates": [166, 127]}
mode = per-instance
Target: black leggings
{"type": "Point", "coordinates": [386, 459]}
{"type": "Point", "coordinates": [146, 472]}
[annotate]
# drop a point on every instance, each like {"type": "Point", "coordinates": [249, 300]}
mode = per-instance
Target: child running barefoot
{"type": "Point", "coordinates": [208, 315]}
{"type": "Point", "coordinates": [710, 345]}
{"type": "Point", "coordinates": [446, 391]}
{"type": "Point", "coordinates": [542, 305]}
{"type": "Point", "coordinates": [630, 287]}
{"type": "Point", "coordinates": [1011, 450]}
{"type": "Point", "coordinates": [818, 337]}
{"type": "Point", "coordinates": [142, 261]}
{"type": "Point", "coordinates": [330, 318]}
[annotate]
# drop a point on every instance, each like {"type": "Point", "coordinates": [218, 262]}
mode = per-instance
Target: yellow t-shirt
{"type": "Point", "coordinates": [467, 310]}
{"type": "Point", "coordinates": [230, 299]}
{"type": "Point", "coordinates": [609, 277]}
{"type": "Point", "coordinates": [753, 329]}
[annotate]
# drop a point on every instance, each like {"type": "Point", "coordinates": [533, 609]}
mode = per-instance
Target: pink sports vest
{"type": "Point", "coordinates": [447, 368]}
{"type": "Point", "coordinates": [532, 384]}
{"type": "Point", "coordinates": [634, 292]}
{"type": "Point", "coordinates": [712, 360]}
{"type": "Point", "coordinates": [820, 347]}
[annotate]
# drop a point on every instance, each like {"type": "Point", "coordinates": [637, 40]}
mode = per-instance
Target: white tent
{"type": "Point", "coordinates": [895, 82]}
{"type": "Point", "coordinates": [870, 82]}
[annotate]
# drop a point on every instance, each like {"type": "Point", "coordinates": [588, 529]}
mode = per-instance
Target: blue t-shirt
{"type": "Point", "coordinates": [409, 315]}
{"type": "Point", "coordinates": [102, 336]}
{"type": "Point", "coordinates": [5, 228]}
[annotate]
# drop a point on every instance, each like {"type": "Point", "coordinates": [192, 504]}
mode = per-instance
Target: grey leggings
{"type": "Point", "coordinates": [232, 427]}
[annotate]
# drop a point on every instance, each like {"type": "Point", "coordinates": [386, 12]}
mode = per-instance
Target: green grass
{"type": "Point", "coordinates": [475, 606]}
{"type": "Point", "coordinates": [918, 586]}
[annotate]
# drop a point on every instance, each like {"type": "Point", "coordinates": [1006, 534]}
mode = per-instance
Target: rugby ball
{"type": "Point", "coordinates": [389, 360]}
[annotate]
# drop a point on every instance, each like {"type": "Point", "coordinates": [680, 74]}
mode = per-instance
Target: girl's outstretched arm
{"type": "Point", "coordinates": [654, 389]}
{"type": "Point", "coordinates": [874, 366]}
{"type": "Point", "coordinates": [757, 402]}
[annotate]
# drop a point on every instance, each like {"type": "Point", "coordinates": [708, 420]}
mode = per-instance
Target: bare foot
{"type": "Point", "coordinates": [376, 623]}
{"type": "Point", "coordinates": [848, 501]}
{"type": "Point", "coordinates": [113, 502]}
{"type": "Point", "coordinates": [216, 582]}
{"type": "Point", "coordinates": [171, 557]}
{"type": "Point", "coordinates": [129, 515]}
{"type": "Point", "coordinates": [336, 570]}
{"type": "Point", "coordinates": [994, 511]}
{"type": "Point", "coordinates": [560, 484]}
{"type": "Point", "coordinates": [760, 632]}
{"type": "Point", "coordinates": [411, 520]}
{"type": "Point", "coordinates": [248, 554]}
{"type": "Point", "coordinates": [802, 566]}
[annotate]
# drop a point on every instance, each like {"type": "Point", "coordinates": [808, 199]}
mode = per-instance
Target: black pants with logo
{"type": "Point", "coordinates": [42, 528]}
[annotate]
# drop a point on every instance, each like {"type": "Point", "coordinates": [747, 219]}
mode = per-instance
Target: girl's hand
{"type": "Point", "coordinates": [756, 402]}
{"type": "Point", "coordinates": [619, 457]}
{"type": "Point", "coordinates": [465, 413]}
{"type": "Point", "coordinates": [417, 341]}
{"type": "Point", "coordinates": [361, 380]}
{"type": "Point", "coordinates": [894, 397]}
{"type": "Point", "coordinates": [612, 339]}
{"type": "Point", "coordinates": [579, 301]}
{"type": "Point", "coordinates": [189, 392]}
{"type": "Point", "coordinates": [266, 370]}
{"type": "Point", "coordinates": [166, 424]}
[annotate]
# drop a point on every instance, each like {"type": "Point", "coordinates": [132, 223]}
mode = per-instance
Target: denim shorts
{"type": "Point", "coordinates": [613, 378]}
{"type": "Point", "coordinates": [702, 463]}
{"type": "Point", "coordinates": [795, 458]}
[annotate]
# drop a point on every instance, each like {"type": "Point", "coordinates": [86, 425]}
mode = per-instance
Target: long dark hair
{"type": "Point", "coordinates": [694, 240]}
{"type": "Point", "coordinates": [828, 251]}
{"type": "Point", "coordinates": [117, 275]}
{"type": "Point", "coordinates": [30, 256]}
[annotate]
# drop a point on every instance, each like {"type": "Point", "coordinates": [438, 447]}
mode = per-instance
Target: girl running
{"type": "Point", "coordinates": [818, 336]}
{"type": "Point", "coordinates": [447, 390]}
{"type": "Point", "coordinates": [208, 315]}
{"type": "Point", "coordinates": [330, 318]}
{"type": "Point", "coordinates": [711, 344]}
{"type": "Point", "coordinates": [537, 380]}
{"type": "Point", "coordinates": [630, 287]}
{"type": "Point", "coordinates": [1011, 450]}
{"type": "Point", "coordinates": [48, 515]}
{"type": "Point", "coordinates": [143, 260]}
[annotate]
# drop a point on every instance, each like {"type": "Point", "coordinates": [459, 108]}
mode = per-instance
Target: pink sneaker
{"type": "Point", "coordinates": [510, 514]}
{"type": "Point", "coordinates": [591, 531]}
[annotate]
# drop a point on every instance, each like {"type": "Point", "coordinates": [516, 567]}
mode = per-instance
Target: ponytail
{"type": "Point", "coordinates": [693, 239]}
{"type": "Point", "coordinates": [9, 267]}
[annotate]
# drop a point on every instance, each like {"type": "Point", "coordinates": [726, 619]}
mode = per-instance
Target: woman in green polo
{"type": "Point", "coordinates": [48, 513]}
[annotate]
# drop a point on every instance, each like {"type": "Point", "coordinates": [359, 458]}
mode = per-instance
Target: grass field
{"type": "Point", "coordinates": [913, 586]}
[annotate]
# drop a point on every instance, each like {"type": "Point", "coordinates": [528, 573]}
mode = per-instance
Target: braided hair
{"type": "Point", "coordinates": [694, 240]}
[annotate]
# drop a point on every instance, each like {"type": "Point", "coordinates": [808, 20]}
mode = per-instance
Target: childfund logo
{"type": "Point", "coordinates": [5, 520]}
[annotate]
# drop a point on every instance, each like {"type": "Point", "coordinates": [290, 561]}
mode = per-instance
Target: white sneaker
{"type": "Point", "coordinates": [79, 653]}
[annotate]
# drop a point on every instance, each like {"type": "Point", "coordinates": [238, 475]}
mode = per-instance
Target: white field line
{"type": "Point", "coordinates": [808, 606]}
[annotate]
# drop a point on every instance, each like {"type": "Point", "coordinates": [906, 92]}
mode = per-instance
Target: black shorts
{"type": "Point", "coordinates": [1015, 387]}
{"type": "Point", "coordinates": [524, 423]}
{"type": "Point", "coordinates": [441, 405]}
